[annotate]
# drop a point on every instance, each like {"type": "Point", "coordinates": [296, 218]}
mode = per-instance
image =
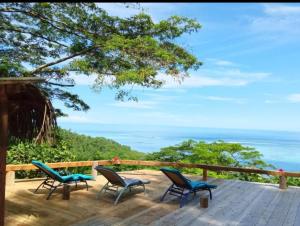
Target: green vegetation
{"type": "Point", "coordinates": [71, 146]}
{"type": "Point", "coordinates": [219, 153]}
{"type": "Point", "coordinates": [90, 148]}
{"type": "Point", "coordinates": [56, 39]}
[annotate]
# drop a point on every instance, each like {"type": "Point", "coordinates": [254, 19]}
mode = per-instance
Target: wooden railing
{"type": "Point", "coordinates": [10, 169]}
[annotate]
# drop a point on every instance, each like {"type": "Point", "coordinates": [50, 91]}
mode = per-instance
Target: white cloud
{"type": "Point", "coordinates": [158, 11]}
{"type": "Point", "coordinates": [294, 98]}
{"type": "Point", "coordinates": [215, 77]}
{"type": "Point", "coordinates": [280, 22]}
{"type": "Point", "coordinates": [271, 101]}
{"type": "Point", "coordinates": [138, 105]}
{"type": "Point", "coordinates": [224, 99]}
{"type": "Point", "coordinates": [119, 9]}
{"type": "Point", "coordinates": [81, 79]}
{"type": "Point", "coordinates": [223, 63]}
{"type": "Point", "coordinates": [280, 9]}
{"type": "Point", "coordinates": [77, 119]}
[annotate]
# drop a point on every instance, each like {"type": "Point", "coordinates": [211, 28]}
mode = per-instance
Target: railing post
{"type": "Point", "coordinates": [10, 178]}
{"type": "Point", "coordinates": [94, 171]}
{"type": "Point", "coordinates": [204, 175]}
{"type": "Point", "coordinates": [66, 191]}
{"type": "Point", "coordinates": [282, 182]}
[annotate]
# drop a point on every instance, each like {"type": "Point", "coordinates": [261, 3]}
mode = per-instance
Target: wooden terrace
{"type": "Point", "coordinates": [234, 203]}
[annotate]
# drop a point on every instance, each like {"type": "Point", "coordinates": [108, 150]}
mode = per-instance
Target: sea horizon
{"type": "Point", "coordinates": [280, 148]}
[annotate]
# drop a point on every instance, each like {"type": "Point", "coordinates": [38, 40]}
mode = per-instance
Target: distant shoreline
{"type": "Point", "coordinates": [281, 148]}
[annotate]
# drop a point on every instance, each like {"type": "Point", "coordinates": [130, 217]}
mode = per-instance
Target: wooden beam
{"type": "Point", "coordinates": [3, 148]}
{"type": "Point", "coordinates": [204, 176]}
{"type": "Point", "coordinates": [20, 80]}
{"type": "Point", "coordinates": [207, 167]}
{"type": "Point", "coordinates": [57, 165]}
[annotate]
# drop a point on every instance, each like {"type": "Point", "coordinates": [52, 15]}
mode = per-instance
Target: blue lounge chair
{"type": "Point", "coordinates": [115, 181]}
{"type": "Point", "coordinates": [55, 180]}
{"type": "Point", "coordinates": [182, 186]}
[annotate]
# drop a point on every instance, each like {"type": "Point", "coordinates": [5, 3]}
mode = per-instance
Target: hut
{"type": "Point", "coordinates": [25, 113]}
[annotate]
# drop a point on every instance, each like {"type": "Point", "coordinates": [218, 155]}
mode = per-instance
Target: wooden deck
{"type": "Point", "coordinates": [234, 203]}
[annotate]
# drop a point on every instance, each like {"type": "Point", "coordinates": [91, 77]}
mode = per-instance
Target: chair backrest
{"type": "Point", "coordinates": [177, 178]}
{"type": "Point", "coordinates": [111, 176]}
{"type": "Point", "coordinates": [47, 170]}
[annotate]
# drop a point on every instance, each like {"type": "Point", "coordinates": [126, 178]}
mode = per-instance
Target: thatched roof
{"type": "Point", "coordinates": [30, 113]}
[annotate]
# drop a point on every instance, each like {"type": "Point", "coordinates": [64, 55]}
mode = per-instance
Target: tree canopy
{"type": "Point", "coordinates": [54, 40]}
{"type": "Point", "coordinates": [215, 153]}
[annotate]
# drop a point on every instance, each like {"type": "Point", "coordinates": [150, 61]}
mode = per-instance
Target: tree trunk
{"type": "Point", "coordinates": [3, 148]}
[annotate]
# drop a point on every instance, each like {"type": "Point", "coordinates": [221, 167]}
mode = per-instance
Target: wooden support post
{"type": "Point", "coordinates": [204, 201]}
{"type": "Point", "coordinates": [66, 192]}
{"type": "Point", "coordinates": [94, 171]}
{"type": "Point", "coordinates": [10, 178]}
{"type": "Point", "coordinates": [3, 148]}
{"type": "Point", "coordinates": [204, 175]}
{"type": "Point", "coordinates": [282, 182]}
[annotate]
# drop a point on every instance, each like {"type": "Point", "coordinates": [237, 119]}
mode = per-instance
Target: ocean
{"type": "Point", "coordinates": [280, 148]}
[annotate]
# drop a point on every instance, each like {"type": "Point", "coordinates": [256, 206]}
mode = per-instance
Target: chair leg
{"type": "Point", "coordinates": [120, 194]}
{"type": "Point", "coordinates": [41, 185]}
{"type": "Point", "coordinates": [86, 184]}
{"type": "Point", "coordinates": [52, 190]}
{"type": "Point", "coordinates": [101, 190]}
{"type": "Point", "coordinates": [75, 184]}
{"type": "Point", "coordinates": [210, 195]}
{"type": "Point", "coordinates": [183, 199]}
{"type": "Point", "coordinates": [144, 189]}
{"type": "Point", "coordinates": [166, 192]}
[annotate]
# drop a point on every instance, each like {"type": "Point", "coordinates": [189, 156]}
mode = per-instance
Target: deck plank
{"type": "Point", "coordinates": [252, 215]}
{"type": "Point", "coordinates": [218, 214]}
{"type": "Point", "coordinates": [191, 211]}
{"type": "Point", "coordinates": [234, 203]}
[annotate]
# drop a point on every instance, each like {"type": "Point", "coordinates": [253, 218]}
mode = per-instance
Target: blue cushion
{"type": "Point", "coordinates": [201, 184]}
{"type": "Point", "coordinates": [47, 168]}
{"type": "Point", "coordinates": [191, 184]}
{"type": "Point", "coordinates": [76, 177]}
{"type": "Point", "coordinates": [63, 179]}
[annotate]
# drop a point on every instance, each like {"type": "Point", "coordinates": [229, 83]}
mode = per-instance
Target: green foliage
{"type": "Point", "coordinates": [69, 147]}
{"type": "Point", "coordinates": [90, 148]}
{"type": "Point", "coordinates": [218, 153]}
{"type": "Point", "coordinates": [55, 39]}
{"type": "Point", "coordinates": [22, 152]}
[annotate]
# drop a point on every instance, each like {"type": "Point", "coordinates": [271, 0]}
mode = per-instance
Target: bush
{"type": "Point", "coordinates": [23, 152]}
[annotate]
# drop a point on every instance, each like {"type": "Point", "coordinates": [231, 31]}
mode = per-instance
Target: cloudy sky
{"type": "Point", "coordinates": [250, 78]}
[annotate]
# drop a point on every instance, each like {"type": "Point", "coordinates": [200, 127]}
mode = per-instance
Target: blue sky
{"type": "Point", "coordinates": [249, 78]}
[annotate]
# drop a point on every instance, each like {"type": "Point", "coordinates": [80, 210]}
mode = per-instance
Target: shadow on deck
{"type": "Point", "coordinates": [234, 203]}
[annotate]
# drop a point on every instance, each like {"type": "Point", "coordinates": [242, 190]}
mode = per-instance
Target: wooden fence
{"type": "Point", "coordinates": [10, 169]}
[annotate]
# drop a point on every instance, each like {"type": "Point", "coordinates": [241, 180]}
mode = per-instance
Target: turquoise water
{"type": "Point", "coordinates": [280, 148]}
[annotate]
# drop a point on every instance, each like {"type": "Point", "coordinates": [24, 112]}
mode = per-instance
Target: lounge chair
{"type": "Point", "coordinates": [55, 179]}
{"type": "Point", "coordinates": [182, 186]}
{"type": "Point", "coordinates": [115, 181]}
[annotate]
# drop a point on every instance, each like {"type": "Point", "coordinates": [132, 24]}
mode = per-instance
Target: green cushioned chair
{"type": "Point", "coordinates": [55, 179]}
{"type": "Point", "coordinates": [182, 186]}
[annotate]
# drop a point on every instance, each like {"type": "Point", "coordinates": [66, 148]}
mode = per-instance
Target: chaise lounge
{"type": "Point", "coordinates": [115, 181]}
{"type": "Point", "coordinates": [182, 187]}
{"type": "Point", "coordinates": [55, 180]}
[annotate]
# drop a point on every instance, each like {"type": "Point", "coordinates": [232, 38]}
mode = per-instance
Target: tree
{"type": "Point", "coordinates": [54, 40]}
{"type": "Point", "coordinates": [216, 153]}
